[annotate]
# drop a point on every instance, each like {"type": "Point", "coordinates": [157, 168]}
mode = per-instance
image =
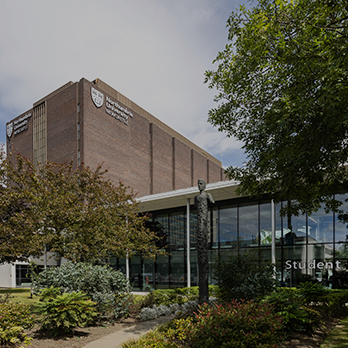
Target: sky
{"type": "Point", "coordinates": [154, 52]}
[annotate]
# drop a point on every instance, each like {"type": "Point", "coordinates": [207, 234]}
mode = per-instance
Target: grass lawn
{"type": "Point", "coordinates": [338, 337]}
{"type": "Point", "coordinates": [21, 295]}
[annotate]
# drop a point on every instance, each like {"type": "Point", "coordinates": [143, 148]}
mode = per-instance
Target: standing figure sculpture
{"type": "Point", "coordinates": [202, 203]}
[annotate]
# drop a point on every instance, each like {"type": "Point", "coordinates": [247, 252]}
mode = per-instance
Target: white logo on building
{"type": "Point", "coordinates": [97, 97]}
{"type": "Point", "coordinates": [9, 129]}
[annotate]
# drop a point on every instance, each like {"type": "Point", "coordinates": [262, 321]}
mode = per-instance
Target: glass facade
{"type": "Point", "coordinates": [308, 247]}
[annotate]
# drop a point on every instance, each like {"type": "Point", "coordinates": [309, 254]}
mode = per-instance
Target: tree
{"type": "Point", "coordinates": [283, 92]}
{"type": "Point", "coordinates": [77, 212]}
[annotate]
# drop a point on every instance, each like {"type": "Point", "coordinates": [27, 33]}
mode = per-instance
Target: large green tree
{"type": "Point", "coordinates": [78, 213]}
{"type": "Point", "coordinates": [282, 84]}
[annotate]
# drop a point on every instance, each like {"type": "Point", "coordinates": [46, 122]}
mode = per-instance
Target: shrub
{"type": "Point", "coordinates": [154, 339]}
{"type": "Point", "coordinates": [334, 303]}
{"type": "Point", "coordinates": [49, 293]}
{"type": "Point", "coordinates": [290, 306]}
{"type": "Point", "coordinates": [14, 319]}
{"type": "Point", "coordinates": [327, 301]}
{"type": "Point", "coordinates": [167, 297]}
{"type": "Point", "coordinates": [107, 287]}
{"type": "Point", "coordinates": [236, 324]}
{"type": "Point", "coordinates": [241, 276]}
{"type": "Point", "coordinates": [65, 312]}
{"type": "Point", "coordinates": [148, 314]}
{"type": "Point", "coordinates": [312, 293]}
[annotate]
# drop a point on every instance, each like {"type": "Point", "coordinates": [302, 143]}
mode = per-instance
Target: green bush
{"type": "Point", "coordinates": [49, 293]}
{"type": "Point", "coordinates": [65, 312]}
{"type": "Point", "coordinates": [154, 339]}
{"type": "Point", "coordinates": [312, 293]}
{"type": "Point", "coordinates": [236, 324]}
{"type": "Point", "coordinates": [167, 297]}
{"type": "Point", "coordinates": [334, 303]}
{"type": "Point", "coordinates": [241, 276]}
{"type": "Point", "coordinates": [105, 286]}
{"type": "Point", "coordinates": [290, 306]}
{"type": "Point", "coordinates": [14, 319]}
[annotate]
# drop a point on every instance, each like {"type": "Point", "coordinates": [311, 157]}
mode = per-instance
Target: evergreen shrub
{"type": "Point", "coordinates": [63, 313]}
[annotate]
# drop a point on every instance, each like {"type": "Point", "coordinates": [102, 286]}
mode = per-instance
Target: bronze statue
{"type": "Point", "coordinates": [202, 204]}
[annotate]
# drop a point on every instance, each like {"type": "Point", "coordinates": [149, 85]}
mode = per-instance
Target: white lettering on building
{"type": "Point", "coordinates": [311, 265]}
{"type": "Point", "coordinates": [117, 111]}
{"type": "Point", "coordinates": [21, 124]}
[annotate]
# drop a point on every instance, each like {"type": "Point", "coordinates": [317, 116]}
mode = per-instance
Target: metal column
{"type": "Point", "coordinates": [188, 242]}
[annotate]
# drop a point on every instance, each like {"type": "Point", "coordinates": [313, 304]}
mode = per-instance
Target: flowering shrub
{"type": "Point", "coordinates": [14, 318]}
{"type": "Point", "coordinates": [237, 324]}
{"type": "Point", "coordinates": [65, 312]}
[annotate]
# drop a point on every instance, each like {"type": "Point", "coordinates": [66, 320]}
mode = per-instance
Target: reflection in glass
{"type": "Point", "coordinates": [248, 225]}
{"type": "Point", "coordinates": [320, 227]}
{"type": "Point", "coordinates": [177, 270]}
{"type": "Point", "coordinates": [136, 278]}
{"type": "Point", "coordinates": [294, 230]}
{"type": "Point", "coordinates": [162, 272]}
{"type": "Point", "coordinates": [228, 225]}
{"type": "Point", "coordinates": [214, 228]}
{"type": "Point", "coordinates": [265, 224]}
{"type": "Point", "coordinates": [148, 275]}
{"type": "Point", "coordinates": [341, 274]}
{"type": "Point", "coordinates": [212, 256]}
{"type": "Point", "coordinates": [341, 219]}
{"type": "Point", "coordinates": [194, 268]}
{"type": "Point", "coordinates": [177, 229]}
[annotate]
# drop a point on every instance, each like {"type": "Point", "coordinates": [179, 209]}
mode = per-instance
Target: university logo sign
{"type": "Point", "coordinates": [9, 129]}
{"type": "Point", "coordinates": [97, 97]}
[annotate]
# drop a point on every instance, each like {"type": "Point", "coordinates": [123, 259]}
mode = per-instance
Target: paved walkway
{"type": "Point", "coordinates": [338, 337]}
{"type": "Point", "coordinates": [117, 338]}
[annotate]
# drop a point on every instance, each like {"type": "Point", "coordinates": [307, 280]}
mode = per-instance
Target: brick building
{"type": "Point", "coordinates": [91, 122]}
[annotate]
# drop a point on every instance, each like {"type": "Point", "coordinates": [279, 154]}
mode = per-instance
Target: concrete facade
{"type": "Point", "coordinates": [112, 131]}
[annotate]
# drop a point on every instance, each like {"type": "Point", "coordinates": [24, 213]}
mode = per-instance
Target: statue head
{"type": "Point", "coordinates": [201, 184]}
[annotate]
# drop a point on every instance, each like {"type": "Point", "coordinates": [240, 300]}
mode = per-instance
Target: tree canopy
{"type": "Point", "coordinates": [282, 84]}
{"type": "Point", "coordinates": [78, 213]}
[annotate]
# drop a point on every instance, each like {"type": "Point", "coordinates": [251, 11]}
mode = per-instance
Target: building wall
{"type": "Point", "coordinates": [62, 126]}
{"type": "Point", "coordinates": [142, 152]}
{"type": "Point", "coordinates": [214, 172]}
{"type": "Point", "coordinates": [200, 167]}
{"type": "Point", "coordinates": [22, 142]}
{"type": "Point", "coordinates": [182, 165]}
{"type": "Point", "coordinates": [6, 276]}
{"type": "Point", "coordinates": [162, 160]}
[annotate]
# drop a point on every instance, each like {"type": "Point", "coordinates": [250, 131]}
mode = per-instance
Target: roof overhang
{"type": "Point", "coordinates": [219, 190]}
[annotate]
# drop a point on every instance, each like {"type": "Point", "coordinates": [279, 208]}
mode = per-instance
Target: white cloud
{"type": "Point", "coordinates": [154, 52]}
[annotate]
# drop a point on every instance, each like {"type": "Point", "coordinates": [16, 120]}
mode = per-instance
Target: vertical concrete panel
{"type": "Point", "coordinates": [162, 160]}
{"type": "Point", "coordinates": [62, 126]}
{"type": "Point", "coordinates": [214, 172]}
{"type": "Point", "coordinates": [182, 160]}
{"type": "Point", "coordinates": [199, 167]}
